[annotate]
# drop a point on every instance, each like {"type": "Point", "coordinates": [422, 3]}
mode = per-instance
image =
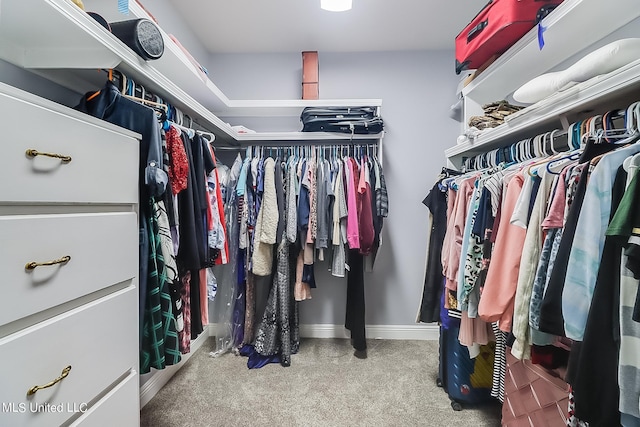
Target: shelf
{"type": "Point", "coordinates": [58, 40]}
{"type": "Point", "coordinates": [287, 108]}
{"type": "Point", "coordinates": [22, 96]}
{"type": "Point", "coordinates": [321, 137]}
{"type": "Point", "coordinates": [574, 26]}
{"type": "Point", "coordinates": [600, 92]}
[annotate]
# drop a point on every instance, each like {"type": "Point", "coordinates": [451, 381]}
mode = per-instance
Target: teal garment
{"type": "Point", "coordinates": [242, 179]}
{"type": "Point", "coordinates": [470, 296]}
{"type": "Point", "coordinates": [466, 235]}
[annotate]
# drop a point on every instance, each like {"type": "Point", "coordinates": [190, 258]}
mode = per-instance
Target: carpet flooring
{"type": "Point", "coordinates": [326, 385]}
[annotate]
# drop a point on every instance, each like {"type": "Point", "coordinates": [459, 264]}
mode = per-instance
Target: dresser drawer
{"type": "Point", "coordinates": [120, 407]}
{"type": "Point", "coordinates": [99, 340]}
{"type": "Point", "coordinates": [103, 166]}
{"type": "Point", "coordinates": [103, 251]}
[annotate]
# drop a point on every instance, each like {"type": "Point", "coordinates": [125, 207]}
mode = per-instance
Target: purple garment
{"type": "Point", "coordinates": [256, 360]}
{"type": "Point", "coordinates": [444, 312]}
{"type": "Point", "coordinates": [239, 306]}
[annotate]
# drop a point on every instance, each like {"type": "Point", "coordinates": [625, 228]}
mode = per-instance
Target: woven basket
{"type": "Point", "coordinates": [533, 396]}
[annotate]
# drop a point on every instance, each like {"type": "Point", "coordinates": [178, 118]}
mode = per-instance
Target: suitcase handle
{"type": "Point", "coordinates": [475, 31]}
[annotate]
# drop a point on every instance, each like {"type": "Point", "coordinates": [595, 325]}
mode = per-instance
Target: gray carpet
{"type": "Point", "coordinates": [324, 386]}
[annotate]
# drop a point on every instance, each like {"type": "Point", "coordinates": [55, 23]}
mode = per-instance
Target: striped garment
{"type": "Point", "coordinates": [626, 224]}
{"type": "Point", "coordinates": [499, 363]}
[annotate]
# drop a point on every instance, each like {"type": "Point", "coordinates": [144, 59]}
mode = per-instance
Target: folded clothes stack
{"type": "Point", "coordinates": [494, 115]}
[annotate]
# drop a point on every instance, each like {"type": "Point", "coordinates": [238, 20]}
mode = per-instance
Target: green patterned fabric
{"type": "Point", "coordinates": [159, 336]}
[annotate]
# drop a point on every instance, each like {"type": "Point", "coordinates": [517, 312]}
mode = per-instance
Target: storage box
{"type": "Point", "coordinates": [310, 75]}
{"type": "Point", "coordinates": [310, 91]}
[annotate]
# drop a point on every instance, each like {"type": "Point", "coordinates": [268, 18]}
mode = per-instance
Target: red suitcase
{"type": "Point", "coordinates": [496, 28]}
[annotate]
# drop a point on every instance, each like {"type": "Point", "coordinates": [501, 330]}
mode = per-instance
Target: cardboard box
{"type": "Point", "coordinates": [310, 91]}
{"type": "Point", "coordinates": [310, 71]}
{"type": "Point", "coordinates": [310, 75]}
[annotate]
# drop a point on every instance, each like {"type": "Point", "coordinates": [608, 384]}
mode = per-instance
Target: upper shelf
{"type": "Point", "coordinates": [606, 91]}
{"type": "Point", "coordinates": [574, 25]}
{"type": "Point", "coordinates": [54, 35]}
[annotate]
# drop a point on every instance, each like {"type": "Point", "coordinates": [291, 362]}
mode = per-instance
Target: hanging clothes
{"type": "Point", "coordinates": [586, 251]}
{"type": "Point", "coordinates": [593, 363]}
{"type": "Point", "coordinates": [624, 227]}
{"type": "Point", "coordinates": [266, 224]}
{"type": "Point", "coordinates": [158, 335]}
{"type": "Point", "coordinates": [160, 339]}
{"type": "Point", "coordinates": [498, 296]}
{"type": "Point", "coordinates": [436, 202]}
{"type": "Point", "coordinates": [304, 208]}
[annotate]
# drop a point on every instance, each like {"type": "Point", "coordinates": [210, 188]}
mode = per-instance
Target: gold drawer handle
{"type": "Point", "coordinates": [32, 265]}
{"type": "Point", "coordinates": [62, 376]}
{"type": "Point", "coordinates": [33, 153]}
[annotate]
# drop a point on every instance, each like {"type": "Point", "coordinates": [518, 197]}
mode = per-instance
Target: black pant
{"type": "Point", "coordinates": [354, 319]}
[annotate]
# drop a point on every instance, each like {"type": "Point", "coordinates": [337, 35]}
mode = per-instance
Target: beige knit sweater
{"type": "Point", "coordinates": [266, 223]}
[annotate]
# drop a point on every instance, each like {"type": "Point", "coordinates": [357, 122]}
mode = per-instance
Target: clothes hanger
{"type": "Point", "coordinates": [154, 104]}
{"type": "Point", "coordinates": [530, 169]}
{"type": "Point", "coordinates": [571, 137]}
{"type": "Point", "coordinates": [631, 161]}
{"type": "Point", "coordinates": [523, 150]}
{"type": "Point", "coordinates": [611, 134]}
{"type": "Point", "coordinates": [530, 146]}
{"type": "Point", "coordinates": [553, 135]}
{"type": "Point", "coordinates": [572, 156]}
{"type": "Point", "coordinates": [522, 154]}
{"type": "Point", "coordinates": [543, 144]}
{"type": "Point", "coordinates": [211, 136]}
{"type": "Point", "coordinates": [537, 146]}
{"type": "Point", "coordinates": [96, 93]}
{"type": "Point", "coordinates": [190, 132]}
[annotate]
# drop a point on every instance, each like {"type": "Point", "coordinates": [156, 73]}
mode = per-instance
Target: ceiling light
{"type": "Point", "coordinates": [335, 5]}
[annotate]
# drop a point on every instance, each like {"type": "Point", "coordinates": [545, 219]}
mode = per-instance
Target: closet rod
{"type": "Point", "coordinates": [343, 144]}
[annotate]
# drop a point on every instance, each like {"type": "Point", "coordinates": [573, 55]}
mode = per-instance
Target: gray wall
{"type": "Point", "coordinates": [417, 89]}
{"type": "Point", "coordinates": [172, 23]}
{"type": "Point", "coordinates": [30, 82]}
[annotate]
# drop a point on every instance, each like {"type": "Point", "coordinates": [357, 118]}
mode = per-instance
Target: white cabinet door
{"type": "Point", "coordinates": [99, 340]}
{"type": "Point", "coordinates": [120, 407]}
{"type": "Point", "coordinates": [103, 251]}
{"type": "Point", "coordinates": [101, 167]}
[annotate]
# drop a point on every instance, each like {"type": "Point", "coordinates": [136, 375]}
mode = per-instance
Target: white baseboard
{"type": "Point", "coordinates": [422, 332]}
{"type": "Point", "coordinates": [158, 379]}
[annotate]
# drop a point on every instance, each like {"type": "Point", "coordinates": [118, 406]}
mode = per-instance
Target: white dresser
{"type": "Point", "coordinates": [68, 267]}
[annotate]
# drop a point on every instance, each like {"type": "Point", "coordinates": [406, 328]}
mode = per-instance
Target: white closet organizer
{"type": "Point", "coordinates": [58, 40]}
{"type": "Point", "coordinates": [69, 263]}
{"type": "Point", "coordinates": [574, 26]}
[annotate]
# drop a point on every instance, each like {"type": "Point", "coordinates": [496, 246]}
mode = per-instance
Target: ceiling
{"type": "Point", "coordinates": [268, 26]}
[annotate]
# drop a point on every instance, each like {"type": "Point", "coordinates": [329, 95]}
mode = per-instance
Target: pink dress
{"type": "Point", "coordinates": [353, 231]}
{"type": "Point", "coordinates": [498, 295]}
